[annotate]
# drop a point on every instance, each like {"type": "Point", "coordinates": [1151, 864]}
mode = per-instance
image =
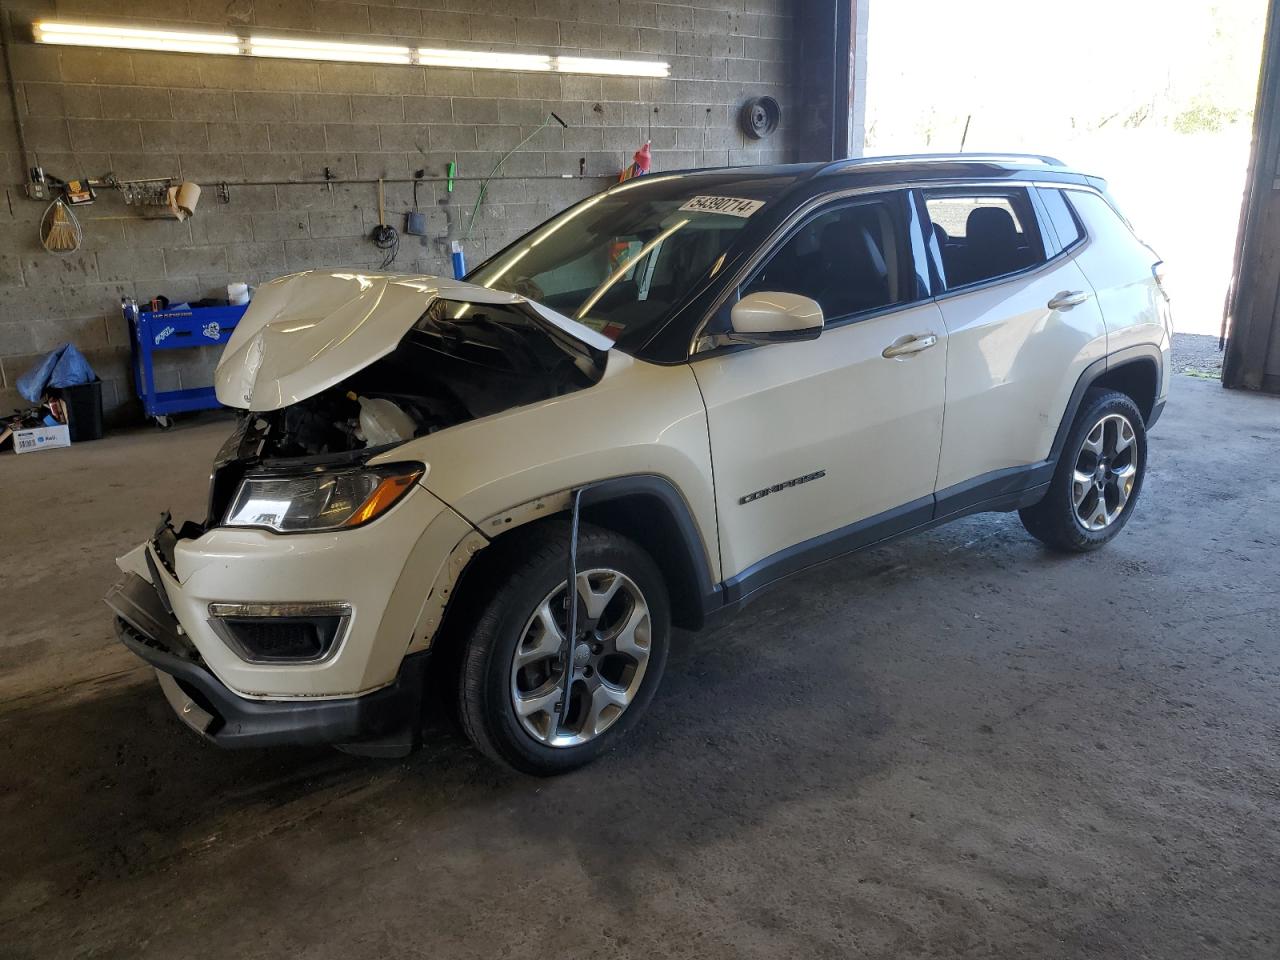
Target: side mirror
{"type": "Point", "coordinates": [775, 318]}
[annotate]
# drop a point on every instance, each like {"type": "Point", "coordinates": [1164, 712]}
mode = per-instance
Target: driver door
{"type": "Point", "coordinates": [821, 446]}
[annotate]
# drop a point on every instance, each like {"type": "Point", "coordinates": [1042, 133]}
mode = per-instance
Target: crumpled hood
{"type": "Point", "coordinates": [308, 331]}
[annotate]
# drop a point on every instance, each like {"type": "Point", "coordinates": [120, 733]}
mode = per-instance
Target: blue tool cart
{"type": "Point", "coordinates": [180, 328]}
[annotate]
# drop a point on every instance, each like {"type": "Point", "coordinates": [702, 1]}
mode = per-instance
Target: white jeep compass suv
{"type": "Point", "coordinates": [671, 395]}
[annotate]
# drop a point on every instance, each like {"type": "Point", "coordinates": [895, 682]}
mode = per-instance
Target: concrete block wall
{"type": "Point", "coordinates": [270, 129]}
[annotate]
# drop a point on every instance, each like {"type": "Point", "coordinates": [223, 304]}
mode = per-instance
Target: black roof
{"type": "Point", "coordinates": [918, 167]}
{"type": "Point", "coordinates": [791, 185]}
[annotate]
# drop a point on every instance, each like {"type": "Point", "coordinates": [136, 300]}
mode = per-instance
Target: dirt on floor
{"type": "Point", "coordinates": [1197, 356]}
{"type": "Point", "coordinates": [957, 745]}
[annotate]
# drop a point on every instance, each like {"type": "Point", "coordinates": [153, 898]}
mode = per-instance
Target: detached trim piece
{"type": "Point", "coordinates": [389, 717]}
{"type": "Point", "coordinates": [205, 705]}
{"type": "Point", "coordinates": [693, 555]}
{"type": "Point", "coordinates": [689, 558]}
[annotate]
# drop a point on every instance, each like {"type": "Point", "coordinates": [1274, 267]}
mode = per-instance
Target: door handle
{"type": "Point", "coordinates": [906, 346]}
{"type": "Point", "coordinates": [1068, 299]}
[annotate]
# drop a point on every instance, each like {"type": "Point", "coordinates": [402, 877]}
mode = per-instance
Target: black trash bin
{"type": "Point", "coordinates": [84, 411]}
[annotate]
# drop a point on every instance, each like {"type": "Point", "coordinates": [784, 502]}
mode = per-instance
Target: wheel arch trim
{"type": "Point", "coordinates": [683, 554]}
{"type": "Point", "coordinates": [1143, 353]}
{"type": "Point", "coordinates": [694, 591]}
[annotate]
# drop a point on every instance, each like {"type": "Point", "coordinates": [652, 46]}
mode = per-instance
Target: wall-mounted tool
{"type": "Point", "coordinates": [141, 193]}
{"type": "Point", "coordinates": [415, 221]}
{"type": "Point", "coordinates": [385, 237]}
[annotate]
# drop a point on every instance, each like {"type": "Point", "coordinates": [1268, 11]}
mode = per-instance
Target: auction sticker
{"type": "Point", "coordinates": [732, 206]}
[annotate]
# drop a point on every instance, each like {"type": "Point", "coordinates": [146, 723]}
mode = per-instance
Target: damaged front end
{"type": "Point", "coordinates": [290, 615]}
{"type": "Point", "coordinates": [432, 354]}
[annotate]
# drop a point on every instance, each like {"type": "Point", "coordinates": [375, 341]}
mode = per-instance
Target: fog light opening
{"type": "Point", "coordinates": [281, 632]}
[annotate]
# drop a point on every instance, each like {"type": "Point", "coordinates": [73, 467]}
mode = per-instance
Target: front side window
{"type": "Point", "coordinates": [623, 261]}
{"type": "Point", "coordinates": [984, 235]}
{"type": "Point", "coordinates": [851, 259]}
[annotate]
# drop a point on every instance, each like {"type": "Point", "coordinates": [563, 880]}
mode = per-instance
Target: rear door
{"type": "Point", "coordinates": [809, 439]}
{"type": "Point", "coordinates": [1022, 324]}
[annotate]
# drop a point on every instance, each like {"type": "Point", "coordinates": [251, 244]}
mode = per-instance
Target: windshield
{"type": "Point", "coordinates": [621, 261]}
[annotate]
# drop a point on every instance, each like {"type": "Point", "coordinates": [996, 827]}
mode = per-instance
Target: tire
{"type": "Point", "coordinates": [528, 595]}
{"type": "Point", "coordinates": [1071, 522]}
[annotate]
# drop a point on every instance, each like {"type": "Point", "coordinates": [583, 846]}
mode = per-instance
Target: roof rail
{"type": "Point", "coordinates": [948, 158]}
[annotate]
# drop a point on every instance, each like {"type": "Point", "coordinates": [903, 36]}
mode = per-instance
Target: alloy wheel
{"type": "Point", "coordinates": [1105, 471]}
{"type": "Point", "coordinates": [607, 660]}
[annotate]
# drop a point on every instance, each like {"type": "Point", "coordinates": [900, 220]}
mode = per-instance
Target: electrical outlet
{"type": "Point", "coordinates": [37, 190]}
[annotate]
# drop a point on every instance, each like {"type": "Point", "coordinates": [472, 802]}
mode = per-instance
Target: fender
{"type": "Point", "coordinates": [650, 510]}
{"type": "Point", "coordinates": [1143, 352]}
{"type": "Point", "coordinates": [676, 545]}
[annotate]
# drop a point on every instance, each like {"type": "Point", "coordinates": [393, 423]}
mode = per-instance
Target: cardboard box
{"type": "Point", "coordinates": [41, 438]}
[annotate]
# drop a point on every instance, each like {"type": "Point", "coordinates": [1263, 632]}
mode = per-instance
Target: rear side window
{"type": "Point", "coordinates": [1099, 215]}
{"type": "Point", "coordinates": [984, 235]}
{"type": "Point", "coordinates": [852, 259]}
{"type": "Point", "coordinates": [1061, 217]}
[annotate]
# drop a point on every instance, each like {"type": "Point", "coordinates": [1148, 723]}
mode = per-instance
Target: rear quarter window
{"type": "Point", "coordinates": [1061, 217]}
{"type": "Point", "coordinates": [1098, 215]}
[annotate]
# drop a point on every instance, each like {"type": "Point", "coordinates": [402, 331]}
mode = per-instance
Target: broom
{"type": "Point", "coordinates": [62, 233]}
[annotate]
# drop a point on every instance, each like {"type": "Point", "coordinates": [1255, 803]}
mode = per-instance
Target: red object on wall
{"type": "Point", "coordinates": [639, 165]}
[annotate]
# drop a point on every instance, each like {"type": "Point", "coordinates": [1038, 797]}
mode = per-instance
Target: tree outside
{"type": "Point", "coordinates": [1156, 97]}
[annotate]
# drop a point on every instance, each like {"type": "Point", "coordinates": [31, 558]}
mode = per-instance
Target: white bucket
{"type": "Point", "coordinates": [237, 294]}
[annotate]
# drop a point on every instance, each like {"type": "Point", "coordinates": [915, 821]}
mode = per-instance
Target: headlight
{"type": "Point", "coordinates": [323, 500]}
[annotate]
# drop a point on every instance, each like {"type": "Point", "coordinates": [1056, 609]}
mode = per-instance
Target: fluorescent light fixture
{"type": "Point", "coordinates": [482, 59]}
{"type": "Point", "coordinates": [617, 68]}
{"type": "Point", "coordinates": [135, 38]}
{"type": "Point", "coordinates": [187, 41]}
{"type": "Point", "coordinates": [328, 50]}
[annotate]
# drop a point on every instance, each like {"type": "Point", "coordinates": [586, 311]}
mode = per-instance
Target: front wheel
{"type": "Point", "coordinates": [512, 700]}
{"type": "Point", "coordinates": [1099, 476]}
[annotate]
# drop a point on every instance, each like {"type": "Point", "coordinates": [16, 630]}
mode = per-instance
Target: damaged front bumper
{"type": "Point", "coordinates": [388, 716]}
{"type": "Point", "coordinates": [384, 585]}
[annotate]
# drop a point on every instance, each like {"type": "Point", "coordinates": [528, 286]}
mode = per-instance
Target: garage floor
{"type": "Point", "coordinates": [956, 745]}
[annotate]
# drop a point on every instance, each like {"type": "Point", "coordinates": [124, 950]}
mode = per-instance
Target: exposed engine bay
{"type": "Point", "coordinates": [460, 361]}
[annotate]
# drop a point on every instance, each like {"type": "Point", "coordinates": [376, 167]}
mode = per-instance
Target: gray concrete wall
{"type": "Point", "coordinates": [248, 121]}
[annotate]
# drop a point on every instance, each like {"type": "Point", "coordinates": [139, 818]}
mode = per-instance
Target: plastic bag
{"type": "Point", "coordinates": [64, 367]}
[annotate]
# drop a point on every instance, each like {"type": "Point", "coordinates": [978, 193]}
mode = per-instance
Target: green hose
{"type": "Point", "coordinates": [484, 184]}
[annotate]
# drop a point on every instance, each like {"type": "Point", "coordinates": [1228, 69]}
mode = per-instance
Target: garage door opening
{"type": "Point", "coordinates": [1159, 103]}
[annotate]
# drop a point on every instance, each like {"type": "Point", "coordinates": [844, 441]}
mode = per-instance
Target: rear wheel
{"type": "Point", "coordinates": [1098, 478]}
{"type": "Point", "coordinates": [512, 701]}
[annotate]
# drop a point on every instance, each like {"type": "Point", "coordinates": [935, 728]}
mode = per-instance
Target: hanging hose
{"type": "Point", "coordinates": [484, 184]}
